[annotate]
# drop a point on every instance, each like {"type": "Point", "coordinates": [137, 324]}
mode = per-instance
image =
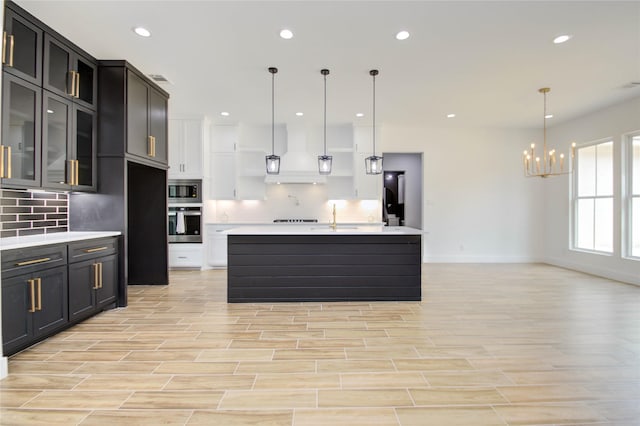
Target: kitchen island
{"type": "Point", "coordinates": [319, 263]}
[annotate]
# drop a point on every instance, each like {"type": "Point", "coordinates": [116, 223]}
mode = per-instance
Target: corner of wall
{"type": "Point", "coordinates": [4, 367]}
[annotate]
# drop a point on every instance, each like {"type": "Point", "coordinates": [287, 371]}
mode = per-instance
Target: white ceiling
{"type": "Point", "coordinates": [482, 60]}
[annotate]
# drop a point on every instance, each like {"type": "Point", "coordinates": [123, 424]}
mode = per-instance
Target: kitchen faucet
{"type": "Point", "coordinates": [333, 224]}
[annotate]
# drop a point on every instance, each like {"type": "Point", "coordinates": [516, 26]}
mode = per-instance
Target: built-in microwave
{"type": "Point", "coordinates": [184, 191]}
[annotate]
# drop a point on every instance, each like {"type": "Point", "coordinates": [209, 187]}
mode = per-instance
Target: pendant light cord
{"type": "Point", "coordinates": [273, 114]}
{"type": "Point", "coordinates": [325, 114]}
{"type": "Point", "coordinates": [374, 114]}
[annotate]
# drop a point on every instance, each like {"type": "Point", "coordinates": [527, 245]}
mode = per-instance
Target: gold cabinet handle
{"type": "Point", "coordinates": [4, 46]}
{"type": "Point", "coordinates": [39, 282]}
{"type": "Point", "coordinates": [11, 45]}
{"type": "Point", "coordinates": [76, 182]}
{"type": "Point", "coordinates": [33, 262]}
{"type": "Point", "coordinates": [96, 281]}
{"type": "Point", "coordinates": [71, 84]}
{"type": "Point", "coordinates": [150, 146]}
{"type": "Point", "coordinates": [95, 249]}
{"type": "Point", "coordinates": [71, 174]}
{"type": "Point", "coordinates": [32, 291]}
{"type": "Point", "coordinates": [8, 162]}
{"type": "Point", "coordinates": [2, 162]}
{"type": "Point", "coordinates": [100, 267]}
{"type": "Point", "coordinates": [77, 85]}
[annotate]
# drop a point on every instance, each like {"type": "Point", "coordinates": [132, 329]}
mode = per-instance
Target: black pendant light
{"type": "Point", "coordinates": [324, 161]}
{"type": "Point", "coordinates": [373, 164]}
{"type": "Point", "coordinates": [273, 161]}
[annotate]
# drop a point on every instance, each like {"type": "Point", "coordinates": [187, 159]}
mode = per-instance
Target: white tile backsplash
{"type": "Point", "coordinates": [292, 201]}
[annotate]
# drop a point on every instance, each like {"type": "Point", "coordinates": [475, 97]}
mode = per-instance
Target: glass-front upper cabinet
{"type": "Point", "coordinates": [68, 134]}
{"type": "Point", "coordinates": [68, 73]}
{"type": "Point", "coordinates": [22, 48]}
{"type": "Point", "coordinates": [20, 148]}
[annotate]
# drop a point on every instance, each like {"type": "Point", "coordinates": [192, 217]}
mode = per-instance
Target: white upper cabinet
{"type": "Point", "coordinates": [186, 149]}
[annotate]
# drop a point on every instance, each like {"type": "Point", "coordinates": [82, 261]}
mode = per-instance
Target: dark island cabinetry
{"type": "Point", "coordinates": [308, 268]}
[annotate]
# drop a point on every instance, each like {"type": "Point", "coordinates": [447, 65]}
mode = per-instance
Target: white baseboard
{"type": "Point", "coordinates": [481, 259]}
{"type": "Point", "coordinates": [611, 274]}
{"type": "Point", "coordinates": [4, 367]}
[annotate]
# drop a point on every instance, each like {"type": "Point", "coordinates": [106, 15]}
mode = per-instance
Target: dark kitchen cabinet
{"type": "Point", "coordinates": [48, 288]}
{"type": "Point", "coordinates": [69, 138]}
{"type": "Point", "coordinates": [146, 120]}
{"type": "Point", "coordinates": [92, 285]}
{"type": "Point", "coordinates": [69, 73]}
{"type": "Point", "coordinates": [34, 295]}
{"type": "Point", "coordinates": [21, 138]}
{"type": "Point", "coordinates": [93, 277]}
{"type": "Point", "coordinates": [22, 47]}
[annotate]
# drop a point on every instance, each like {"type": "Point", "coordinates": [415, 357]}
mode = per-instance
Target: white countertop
{"type": "Point", "coordinates": [323, 229]}
{"type": "Point", "coordinates": [307, 224]}
{"type": "Point", "coordinates": [56, 238]}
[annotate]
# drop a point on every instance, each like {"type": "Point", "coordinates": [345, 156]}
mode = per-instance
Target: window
{"type": "Point", "coordinates": [593, 201]}
{"type": "Point", "coordinates": [634, 196]}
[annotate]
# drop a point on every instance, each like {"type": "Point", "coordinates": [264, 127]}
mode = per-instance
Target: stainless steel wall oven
{"type": "Point", "coordinates": [185, 224]}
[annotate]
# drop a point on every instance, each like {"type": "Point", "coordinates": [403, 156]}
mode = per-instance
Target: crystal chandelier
{"type": "Point", "coordinates": [549, 164]}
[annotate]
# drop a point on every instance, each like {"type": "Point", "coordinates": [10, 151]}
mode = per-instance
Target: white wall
{"type": "Point", "coordinates": [478, 206]}
{"type": "Point", "coordinates": [613, 122]}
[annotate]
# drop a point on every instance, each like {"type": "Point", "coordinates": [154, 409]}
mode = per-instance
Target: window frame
{"type": "Point", "coordinates": [629, 196]}
{"type": "Point", "coordinates": [575, 199]}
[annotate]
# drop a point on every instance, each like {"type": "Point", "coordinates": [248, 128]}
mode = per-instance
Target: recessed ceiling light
{"type": "Point", "coordinates": [299, 114]}
{"type": "Point", "coordinates": [359, 114]}
{"type": "Point", "coordinates": [451, 115]}
{"type": "Point", "coordinates": [548, 116]}
{"type": "Point", "coordinates": [561, 38]}
{"type": "Point", "coordinates": [142, 32]}
{"type": "Point", "coordinates": [402, 35]}
{"type": "Point", "coordinates": [224, 114]}
{"type": "Point", "coordinates": [286, 34]}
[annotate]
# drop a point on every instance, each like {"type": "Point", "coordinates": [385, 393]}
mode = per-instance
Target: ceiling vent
{"type": "Point", "coordinates": [160, 79]}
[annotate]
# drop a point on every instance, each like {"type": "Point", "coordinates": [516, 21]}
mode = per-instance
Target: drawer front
{"type": "Point", "coordinates": [91, 249]}
{"type": "Point", "coordinates": [33, 259]}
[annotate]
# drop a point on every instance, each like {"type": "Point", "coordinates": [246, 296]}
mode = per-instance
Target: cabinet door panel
{"type": "Point", "coordinates": [137, 116]}
{"type": "Point", "coordinates": [88, 81]}
{"type": "Point", "coordinates": [21, 112]}
{"type": "Point", "coordinates": [27, 48]}
{"type": "Point", "coordinates": [16, 318]}
{"type": "Point", "coordinates": [158, 124]}
{"type": "Point", "coordinates": [84, 146]}
{"type": "Point", "coordinates": [56, 133]}
{"type": "Point", "coordinates": [81, 289]}
{"type": "Point", "coordinates": [53, 312]}
{"type": "Point", "coordinates": [57, 64]}
{"type": "Point", "coordinates": [223, 176]}
{"type": "Point", "coordinates": [107, 292]}
{"type": "Point", "coordinates": [193, 148]}
{"type": "Point", "coordinates": [176, 148]}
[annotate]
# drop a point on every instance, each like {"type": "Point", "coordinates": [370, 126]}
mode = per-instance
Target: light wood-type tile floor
{"type": "Point", "coordinates": [488, 345]}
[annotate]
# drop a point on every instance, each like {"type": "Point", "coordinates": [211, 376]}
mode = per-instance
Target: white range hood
{"type": "Point", "coordinates": [297, 164]}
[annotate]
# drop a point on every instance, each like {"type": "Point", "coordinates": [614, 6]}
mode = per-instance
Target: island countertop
{"type": "Point", "coordinates": [57, 238]}
{"type": "Point", "coordinates": [321, 229]}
